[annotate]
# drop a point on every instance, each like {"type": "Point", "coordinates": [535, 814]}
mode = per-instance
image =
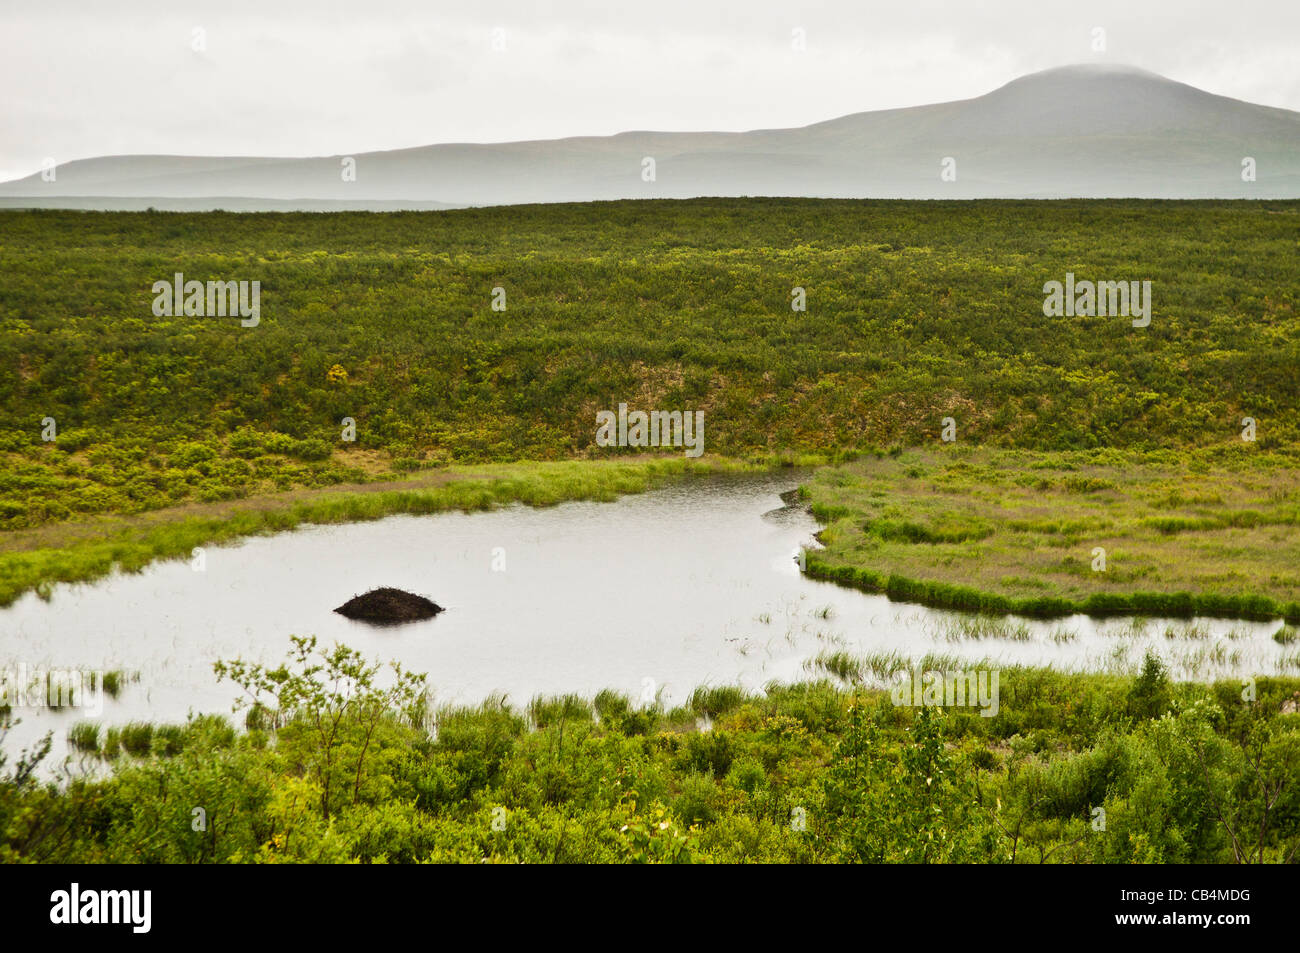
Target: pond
{"type": "Point", "coordinates": [693, 584]}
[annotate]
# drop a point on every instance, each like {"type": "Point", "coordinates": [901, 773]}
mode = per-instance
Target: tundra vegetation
{"type": "Point", "coordinates": [916, 311]}
{"type": "Point", "coordinates": [1110, 531]}
{"type": "Point", "coordinates": [338, 761]}
{"type": "Point", "coordinates": [380, 378]}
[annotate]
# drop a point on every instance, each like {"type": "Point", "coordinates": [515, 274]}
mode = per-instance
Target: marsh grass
{"type": "Point", "coordinates": [115, 680]}
{"type": "Point", "coordinates": [715, 700]}
{"type": "Point", "coordinates": [112, 746]}
{"type": "Point", "coordinates": [136, 738]}
{"type": "Point", "coordinates": [1133, 628]}
{"type": "Point", "coordinates": [168, 740]}
{"type": "Point", "coordinates": [84, 736]}
{"type": "Point", "coordinates": [881, 667]}
{"type": "Point", "coordinates": [1016, 532]}
{"type": "Point", "coordinates": [547, 710]}
{"type": "Point", "coordinates": [842, 665]}
{"type": "Point", "coordinates": [946, 663]}
{"type": "Point", "coordinates": [977, 627]}
{"type": "Point", "coordinates": [608, 702]}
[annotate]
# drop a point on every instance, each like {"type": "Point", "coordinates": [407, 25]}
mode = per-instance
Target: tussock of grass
{"type": "Point", "coordinates": [84, 736]}
{"type": "Point", "coordinates": [716, 700]}
{"type": "Point", "coordinates": [117, 679]}
{"type": "Point", "coordinates": [843, 665]}
{"type": "Point", "coordinates": [546, 710]}
{"type": "Point", "coordinates": [136, 738]}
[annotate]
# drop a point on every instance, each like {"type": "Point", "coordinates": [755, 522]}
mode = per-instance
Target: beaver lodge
{"type": "Point", "coordinates": [387, 605]}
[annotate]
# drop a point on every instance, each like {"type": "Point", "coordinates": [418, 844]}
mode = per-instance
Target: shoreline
{"type": "Point", "coordinates": [132, 543]}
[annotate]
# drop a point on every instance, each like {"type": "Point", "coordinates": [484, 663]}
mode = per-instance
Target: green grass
{"type": "Point", "coordinates": [545, 710]}
{"type": "Point", "coordinates": [84, 736]}
{"type": "Point", "coordinates": [137, 738]}
{"type": "Point", "coordinates": [115, 680]}
{"type": "Point", "coordinates": [716, 700]}
{"type": "Point", "coordinates": [112, 746]}
{"type": "Point", "coordinates": [842, 665]}
{"type": "Point", "coordinates": [997, 531]}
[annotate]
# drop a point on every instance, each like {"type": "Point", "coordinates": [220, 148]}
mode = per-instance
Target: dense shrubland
{"type": "Point", "coordinates": [916, 311]}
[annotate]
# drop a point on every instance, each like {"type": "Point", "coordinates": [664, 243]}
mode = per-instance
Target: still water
{"type": "Point", "coordinates": [693, 584]}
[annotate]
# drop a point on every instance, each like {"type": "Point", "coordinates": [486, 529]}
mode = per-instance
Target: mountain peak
{"type": "Point", "coordinates": [1084, 71]}
{"type": "Point", "coordinates": [1095, 78]}
{"type": "Point", "coordinates": [1100, 99]}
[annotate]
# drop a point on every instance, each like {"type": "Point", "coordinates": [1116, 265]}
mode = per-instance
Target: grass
{"type": "Point", "coordinates": [716, 700]}
{"type": "Point", "coordinates": [116, 679]}
{"type": "Point", "coordinates": [976, 627]}
{"type": "Point", "coordinates": [112, 746]}
{"type": "Point", "coordinates": [1192, 630]}
{"type": "Point", "coordinates": [1004, 531]}
{"type": "Point", "coordinates": [843, 665]}
{"type": "Point", "coordinates": [546, 710]}
{"type": "Point", "coordinates": [137, 738]}
{"type": "Point", "coordinates": [84, 736]}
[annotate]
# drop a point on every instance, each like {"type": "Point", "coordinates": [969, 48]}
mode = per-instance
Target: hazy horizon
{"type": "Point", "coordinates": [300, 79]}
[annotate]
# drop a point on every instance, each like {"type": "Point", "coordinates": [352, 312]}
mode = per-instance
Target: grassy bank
{"type": "Point", "coordinates": [1070, 768]}
{"type": "Point", "coordinates": [122, 544]}
{"type": "Point", "coordinates": [1047, 534]}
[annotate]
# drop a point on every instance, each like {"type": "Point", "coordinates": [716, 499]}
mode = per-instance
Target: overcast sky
{"type": "Point", "coordinates": [313, 77]}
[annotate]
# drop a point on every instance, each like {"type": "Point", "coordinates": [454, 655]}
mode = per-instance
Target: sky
{"type": "Point", "coordinates": [82, 78]}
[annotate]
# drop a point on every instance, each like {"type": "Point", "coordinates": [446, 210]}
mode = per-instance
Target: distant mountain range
{"type": "Point", "coordinates": [1075, 131]}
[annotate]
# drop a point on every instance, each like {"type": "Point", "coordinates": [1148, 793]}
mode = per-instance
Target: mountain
{"type": "Point", "coordinates": [1074, 131]}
